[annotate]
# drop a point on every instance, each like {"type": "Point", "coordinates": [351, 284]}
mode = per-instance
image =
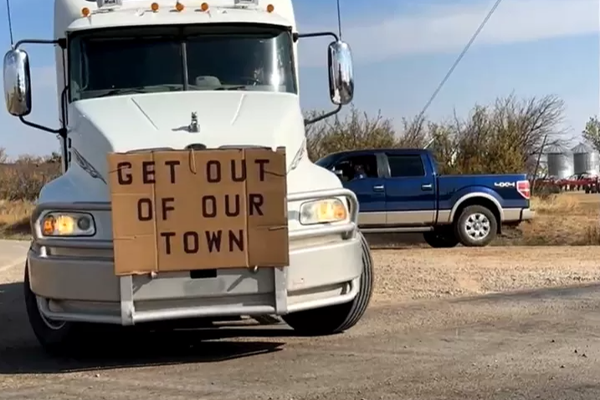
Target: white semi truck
{"type": "Point", "coordinates": [143, 74]}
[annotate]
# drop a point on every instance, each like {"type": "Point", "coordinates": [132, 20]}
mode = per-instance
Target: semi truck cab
{"type": "Point", "coordinates": [136, 75]}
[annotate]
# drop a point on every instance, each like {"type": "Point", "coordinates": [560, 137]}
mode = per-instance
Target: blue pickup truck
{"type": "Point", "coordinates": [400, 191]}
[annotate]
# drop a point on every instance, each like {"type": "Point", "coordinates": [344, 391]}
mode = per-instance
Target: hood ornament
{"type": "Point", "coordinates": [193, 127]}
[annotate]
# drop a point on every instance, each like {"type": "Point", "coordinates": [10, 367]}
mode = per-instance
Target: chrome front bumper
{"type": "Point", "coordinates": [74, 279]}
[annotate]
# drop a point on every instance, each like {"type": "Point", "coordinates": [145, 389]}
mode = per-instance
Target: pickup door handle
{"type": "Point", "coordinates": [426, 186]}
{"type": "Point", "coordinates": [378, 188]}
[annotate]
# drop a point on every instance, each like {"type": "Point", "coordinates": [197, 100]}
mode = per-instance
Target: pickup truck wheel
{"type": "Point", "coordinates": [441, 238]}
{"type": "Point", "coordinates": [336, 319]}
{"type": "Point", "coordinates": [56, 337]}
{"type": "Point", "coordinates": [476, 226]}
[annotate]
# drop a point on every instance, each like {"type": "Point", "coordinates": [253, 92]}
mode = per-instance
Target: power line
{"type": "Point", "coordinates": [459, 59]}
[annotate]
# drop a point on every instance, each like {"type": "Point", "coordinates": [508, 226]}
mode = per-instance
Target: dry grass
{"type": "Point", "coordinates": [14, 219]}
{"type": "Point", "coordinates": [553, 204]}
{"type": "Point", "coordinates": [564, 219]}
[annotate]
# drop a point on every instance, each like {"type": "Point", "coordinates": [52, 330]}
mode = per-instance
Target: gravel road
{"type": "Point", "coordinates": [438, 328]}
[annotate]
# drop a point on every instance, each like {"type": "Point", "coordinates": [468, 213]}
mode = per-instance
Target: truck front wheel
{"type": "Point", "coordinates": [336, 319]}
{"type": "Point", "coordinates": [56, 337]}
{"type": "Point", "coordinates": [476, 226]}
{"type": "Point", "coordinates": [441, 238]}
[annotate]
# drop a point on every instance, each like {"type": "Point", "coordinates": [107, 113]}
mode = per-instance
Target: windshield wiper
{"type": "Point", "coordinates": [145, 90]}
{"type": "Point", "coordinates": [241, 87]}
{"type": "Point", "coordinates": [123, 91]}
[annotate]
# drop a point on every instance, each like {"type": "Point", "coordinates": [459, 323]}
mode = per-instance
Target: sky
{"type": "Point", "coordinates": [401, 50]}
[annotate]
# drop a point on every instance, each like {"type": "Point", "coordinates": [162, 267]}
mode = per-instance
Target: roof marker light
{"type": "Point", "coordinates": [179, 7]}
{"type": "Point", "coordinates": [154, 7]}
{"type": "Point", "coordinates": [85, 12]}
{"type": "Point", "coordinates": [204, 7]}
{"type": "Point", "coordinates": [270, 8]}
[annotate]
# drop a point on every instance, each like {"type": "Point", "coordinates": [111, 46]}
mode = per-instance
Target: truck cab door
{"type": "Point", "coordinates": [410, 191]}
{"type": "Point", "coordinates": [360, 174]}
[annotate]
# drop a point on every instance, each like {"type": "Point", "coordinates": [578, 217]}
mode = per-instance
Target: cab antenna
{"type": "Point", "coordinates": [9, 17]}
{"type": "Point", "coordinates": [339, 16]}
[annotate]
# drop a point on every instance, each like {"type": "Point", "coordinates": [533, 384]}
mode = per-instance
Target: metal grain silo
{"type": "Point", "coordinates": [585, 160]}
{"type": "Point", "coordinates": [560, 162]}
{"type": "Point", "coordinates": [533, 166]}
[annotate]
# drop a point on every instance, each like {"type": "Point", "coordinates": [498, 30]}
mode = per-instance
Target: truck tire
{"type": "Point", "coordinates": [441, 238]}
{"type": "Point", "coordinates": [476, 226]}
{"type": "Point", "coordinates": [338, 318]}
{"type": "Point", "coordinates": [56, 337]}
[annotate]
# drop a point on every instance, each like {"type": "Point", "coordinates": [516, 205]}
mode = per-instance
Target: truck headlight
{"type": "Point", "coordinates": [323, 211]}
{"type": "Point", "coordinates": [68, 224]}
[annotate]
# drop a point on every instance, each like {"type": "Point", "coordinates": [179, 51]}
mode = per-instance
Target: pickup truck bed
{"type": "Point", "coordinates": [399, 190]}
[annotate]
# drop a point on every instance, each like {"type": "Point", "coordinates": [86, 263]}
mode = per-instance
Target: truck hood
{"type": "Point", "coordinates": [160, 120]}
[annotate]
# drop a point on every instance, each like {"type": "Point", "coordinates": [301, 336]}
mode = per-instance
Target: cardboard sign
{"type": "Point", "coordinates": [191, 210]}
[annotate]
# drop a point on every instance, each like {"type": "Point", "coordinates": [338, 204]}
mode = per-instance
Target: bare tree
{"type": "Point", "coordinates": [591, 132]}
{"type": "Point", "coordinates": [497, 138]}
{"type": "Point", "coordinates": [356, 131]}
{"type": "Point", "coordinates": [502, 137]}
{"type": "Point", "coordinates": [3, 156]}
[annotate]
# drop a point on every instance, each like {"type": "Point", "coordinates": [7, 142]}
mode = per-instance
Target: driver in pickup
{"type": "Point", "coordinates": [359, 172]}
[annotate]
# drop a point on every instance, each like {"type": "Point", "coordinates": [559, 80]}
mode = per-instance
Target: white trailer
{"type": "Point", "coordinates": [143, 74]}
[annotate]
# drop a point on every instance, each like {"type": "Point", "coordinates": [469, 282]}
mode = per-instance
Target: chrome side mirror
{"type": "Point", "coordinates": [17, 83]}
{"type": "Point", "coordinates": [341, 73]}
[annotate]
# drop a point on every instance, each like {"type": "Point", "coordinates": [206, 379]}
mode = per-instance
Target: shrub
{"type": "Point", "coordinates": [23, 179]}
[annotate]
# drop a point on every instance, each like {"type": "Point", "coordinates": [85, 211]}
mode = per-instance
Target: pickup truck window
{"type": "Point", "coordinates": [356, 167]}
{"type": "Point", "coordinates": [326, 161]}
{"type": "Point", "coordinates": [405, 166]}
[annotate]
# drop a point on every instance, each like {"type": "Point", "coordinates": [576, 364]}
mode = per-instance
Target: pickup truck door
{"type": "Point", "coordinates": [410, 191]}
{"type": "Point", "coordinates": [369, 188]}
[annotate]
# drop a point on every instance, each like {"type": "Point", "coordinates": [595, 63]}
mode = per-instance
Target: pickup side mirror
{"type": "Point", "coordinates": [341, 73]}
{"type": "Point", "coordinates": [17, 83]}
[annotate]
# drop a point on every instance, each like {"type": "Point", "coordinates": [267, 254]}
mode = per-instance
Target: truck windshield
{"type": "Point", "coordinates": [113, 62]}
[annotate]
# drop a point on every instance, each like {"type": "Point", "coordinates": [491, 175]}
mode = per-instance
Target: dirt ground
{"type": "Point", "coordinates": [443, 324]}
{"type": "Point", "coordinates": [441, 273]}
